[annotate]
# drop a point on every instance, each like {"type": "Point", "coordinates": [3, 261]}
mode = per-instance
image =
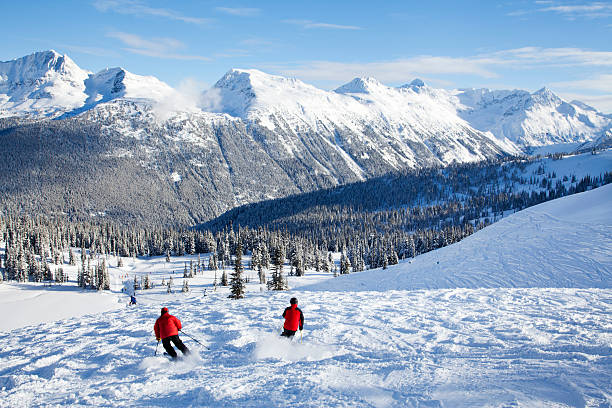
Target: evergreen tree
{"type": "Point", "coordinates": [278, 281]}
{"type": "Point", "coordinates": [345, 265]}
{"type": "Point", "coordinates": [223, 279]}
{"type": "Point", "coordinates": [71, 258]}
{"type": "Point", "coordinates": [237, 284]}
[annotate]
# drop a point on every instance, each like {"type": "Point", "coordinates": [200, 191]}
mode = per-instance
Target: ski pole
{"type": "Point", "coordinates": [301, 336]}
{"type": "Point", "coordinates": [191, 337]}
{"type": "Point", "coordinates": [156, 348]}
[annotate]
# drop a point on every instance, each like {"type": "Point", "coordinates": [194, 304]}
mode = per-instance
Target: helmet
{"type": "Point", "coordinates": [293, 301]}
{"type": "Point", "coordinates": [164, 310]}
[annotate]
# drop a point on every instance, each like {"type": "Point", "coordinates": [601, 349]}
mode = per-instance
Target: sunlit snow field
{"type": "Point", "coordinates": [467, 337]}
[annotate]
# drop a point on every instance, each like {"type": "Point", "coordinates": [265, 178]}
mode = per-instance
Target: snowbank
{"type": "Point", "coordinates": [28, 304]}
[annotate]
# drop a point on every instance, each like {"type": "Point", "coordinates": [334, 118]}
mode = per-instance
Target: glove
{"type": "Point", "coordinates": [158, 339]}
{"type": "Point", "coordinates": [301, 328]}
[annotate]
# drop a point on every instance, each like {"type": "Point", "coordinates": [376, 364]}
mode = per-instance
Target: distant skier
{"type": "Point", "coordinates": [294, 319]}
{"type": "Point", "coordinates": [167, 328]}
{"type": "Point", "coordinates": [132, 300]}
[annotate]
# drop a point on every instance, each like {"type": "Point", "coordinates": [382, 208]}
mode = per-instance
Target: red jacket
{"type": "Point", "coordinates": [167, 325]}
{"type": "Point", "coordinates": [294, 318]}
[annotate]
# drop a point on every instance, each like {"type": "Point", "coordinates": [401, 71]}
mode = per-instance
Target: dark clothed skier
{"type": "Point", "coordinates": [167, 328]}
{"type": "Point", "coordinates": [132, 300]}
{"type": "Point", "coordinates": [294, 319]}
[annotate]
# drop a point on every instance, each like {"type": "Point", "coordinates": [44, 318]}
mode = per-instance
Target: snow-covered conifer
{"type": "Point", "coordinates": [237, 283]}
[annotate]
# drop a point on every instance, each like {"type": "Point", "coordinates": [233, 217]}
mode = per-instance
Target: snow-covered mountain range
{"type": "Point", "coordinates": [47, 84]}
{"type": "Point", "coordinates": [253, 136]}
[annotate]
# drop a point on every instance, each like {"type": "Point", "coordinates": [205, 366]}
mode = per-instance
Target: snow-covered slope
{"type": "Point", "coordinates": [561, 243]}
{"type": "Point", "coordinates": [530, 119]}
{"type": "Point", "coordinates": [360, 119]}
{"type": "Point", "coordinates": [41, 84]}
{"type": "Point", "coordinates": [47, 84]}
{"type": "Point", "coordinates": [478, 347]}
{"type": "Point", "coordinates": [115, 83]}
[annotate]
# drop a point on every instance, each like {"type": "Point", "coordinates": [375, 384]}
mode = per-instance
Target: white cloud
{"type": "Point", "coordinates": [571, 12]}
{"type": "Point", "coordinates": [554, 56]}
{"type": "Point", "coordinates": [239, 11]}
{"type": "Point", "coordinates": [591, 10]}
{"type": "Point", "coordinates": [157, 47]}
{"type": "Point", "coordinates": [139, 9]}
{"type": "Point", "coordinates": [313, 24]}
{"type": "Point", "coordinates": [484, 65]}
{"type": "Point", "coordinates": [390, 71]}
{"type": "Point", "coordinates": [98, 52]}
{"type": "Point", "coordinates": [601, 83]}
{"type": "Point", "coordinates": [190, 95]}
{"type": "Point", "coordinates": [602, 103]}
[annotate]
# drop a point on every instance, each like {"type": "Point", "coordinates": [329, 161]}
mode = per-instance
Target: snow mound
{"type": "Point", "coordinates": [280, 348]}
{"type": "Point", "coordinates": [564, 243]}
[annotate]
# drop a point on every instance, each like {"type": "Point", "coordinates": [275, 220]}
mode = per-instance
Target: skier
{"type": "Point", "coordinates": [132, 300]}
{"type": "Point", "coordinates": [294, 319]}
{"type": "Point", "coordinates": [167, 328]}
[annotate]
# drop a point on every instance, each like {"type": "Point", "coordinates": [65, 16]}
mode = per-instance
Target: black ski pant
{"type": "Point", "coordinates": [177, 342]}
{"type": "Point", "coordinates": [288, 333]}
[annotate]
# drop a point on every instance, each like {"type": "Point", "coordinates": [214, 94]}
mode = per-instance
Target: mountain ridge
{"type": "Point", "coordinates": [517, 116]}
{"type": "Point", "coordinates": [131, 146]}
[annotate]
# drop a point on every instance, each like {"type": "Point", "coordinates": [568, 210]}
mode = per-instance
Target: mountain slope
{"type": "Point", "coordinates": [67, 132]}
{"type": "Point", "coordinates": [561, 243]}
{"type": "Point", "coordinates": [47, 84]}
{"type": "Point", "coordinates": [360, 346]}
{"type": "Point", "coordinates": [530, 119]}
{"type": "Point", "coordinates": [43, 83]}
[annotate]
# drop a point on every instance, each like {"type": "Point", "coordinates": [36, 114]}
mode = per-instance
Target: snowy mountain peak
{"type": "Point", "coordinates": [242, 89]}
{"type": "Point", "coordinates": [546, 96]}
{"type": "Point", "coordinates": [112, 83]}
{"type": "Point", "coordinates": [50, 84]}
{"type": "Point", "coordinates": [37, 66]}
{"type": "Point", "coordinates": [360, 85]}
{"type": "Point", "coordinates": [41, 83]}
{"type": "Point", "coordinates": [416, 85]}
{"type": "Point", "coordinates": [253, 79]}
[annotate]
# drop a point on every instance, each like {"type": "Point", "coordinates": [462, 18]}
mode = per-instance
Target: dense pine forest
{"type": "Point", "coordinates": [371, 224]}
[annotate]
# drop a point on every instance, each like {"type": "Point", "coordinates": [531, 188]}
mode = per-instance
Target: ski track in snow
{"type": "Point", "coordinates": [365, 344]}
{"type": "Point", "coordinates": [459, 347]}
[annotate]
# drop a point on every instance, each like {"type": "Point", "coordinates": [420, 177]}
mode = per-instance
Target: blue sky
{"type": "Point", "coordinates": [564, 45]}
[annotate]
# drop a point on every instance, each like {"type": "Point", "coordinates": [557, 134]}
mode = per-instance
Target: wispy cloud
{"type": "Point", "coordinates": [554, 56]}
{"type": "Point", "coordinates": [313, 24]}
{"type": "Point", "coordinates": [603, 103]}
{"type": "Point", "coordinates": [572, 12]}
{"type": "Point", "coordinates": [139, 9]}
{"type": "Point", "coordinates": [600, 83]}
{"type": "Point", "coordinates": [591, 10]}
{"type": "Point", "coordinates": [239, 11]}
{"type": "Point", "coordinates": [156, 47]}
{"type": "Point", "coordinates": [97, 51]}
{"type": "Point", "coordinates": [484, 65]}
{"type": "Point", "coordinates": [387, 71]}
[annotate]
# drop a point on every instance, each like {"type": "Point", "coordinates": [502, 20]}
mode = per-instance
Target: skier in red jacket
{"type": "Point", "coordinates": [167, 328]}
{"type": "Point", "coordinates": [294, 319]}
